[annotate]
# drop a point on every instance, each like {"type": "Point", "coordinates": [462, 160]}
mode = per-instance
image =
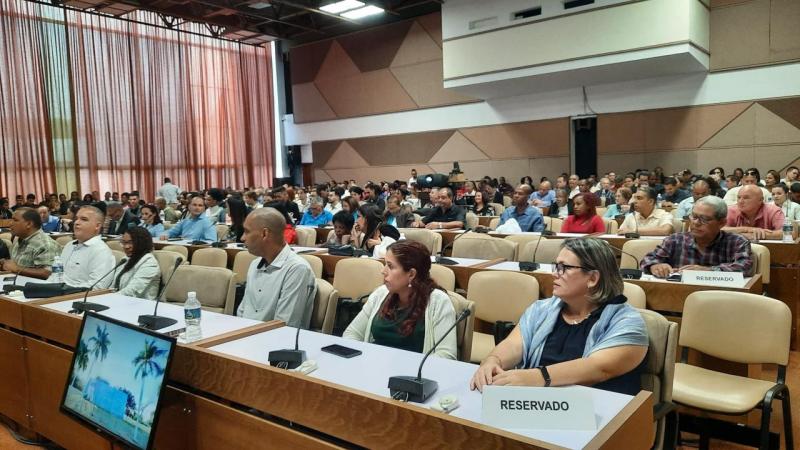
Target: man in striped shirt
{"type": "Point", "coordinates": [705, 247]}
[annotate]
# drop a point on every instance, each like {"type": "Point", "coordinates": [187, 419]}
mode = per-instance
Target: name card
{"type": "Point", "coordinates": [538, 408]}
{"type": "Point", "coordinates": [716, 279]}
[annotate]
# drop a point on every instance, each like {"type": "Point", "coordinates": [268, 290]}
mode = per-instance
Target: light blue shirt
{"type": "Point", "coordinates": [547, 199]}
{"type": "Point", "coordinates": [613, 211]}
{"type": "Point", "coordinates": [51, 225]}
{"type": "Point", "coordinates": [194, 228]}
{"type": "Point", "coordinates": [155, 230]}
{"type": "Point", "coordinates": [618, 325]}
{"type": "Point", "coordinates": [684, 208]}
{"type": "Point", "coordinates": [324, 218]}
{"type": "Point", "coordinates": [530, 220]}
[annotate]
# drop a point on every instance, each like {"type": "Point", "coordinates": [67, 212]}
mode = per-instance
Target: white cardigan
{"type": "Point", "coordinates": [439, 317]}
{"type": "Point", "coordinates": [142, 280]}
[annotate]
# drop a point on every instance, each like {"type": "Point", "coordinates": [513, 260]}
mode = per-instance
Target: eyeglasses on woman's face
{"type": "Point", "coordinates": [560, 268]}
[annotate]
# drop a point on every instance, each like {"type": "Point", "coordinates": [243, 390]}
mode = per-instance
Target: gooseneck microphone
{"type": "Point", "coordinates": [635, 234]}
{"type": "Point", "coordinates": [81, 307]}
{"type": "Point", "coordinates": [154, 321]}
{"type": "Point", "coordinates": [288, 359]}
{"type": "Point", "coordinates": [440, 259]}
{"type": "Point", "coordinates": [629, 274]}
{"type": "Point", "coordinates": [418, 389]}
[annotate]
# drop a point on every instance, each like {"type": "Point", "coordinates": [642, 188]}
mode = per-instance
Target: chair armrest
{"type": "Point", "coordinates": [661, 409]}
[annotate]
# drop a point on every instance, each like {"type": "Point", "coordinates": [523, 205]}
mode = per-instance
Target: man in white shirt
{"type": "Point", "coordinates": [334, 200]}
{"type": "Point", "coordinates": [413, 179]}
{"type": "Point", "coordinates": [169, 191]}
{"type": "Point", "coordinates": [573, 185]}
{"type": "Point", "coordinates": [280, 284]}
{"type": "Point", "coordinates": [647, 220]}
{"type": "Point", "coordinates": [87, 258]}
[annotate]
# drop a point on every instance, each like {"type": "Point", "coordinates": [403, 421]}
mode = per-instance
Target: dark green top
{"type": "Point", "coordinates": [387, 332]}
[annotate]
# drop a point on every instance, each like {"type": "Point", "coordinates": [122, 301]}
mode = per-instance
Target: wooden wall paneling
{"type": "Point", "coordinates": [784, 30]}
{"type": "Point", "coordinates": [14, 385]}
{"type": "Point", "coordinates": [10, 313]}
{"type": "Point", "coordinates": [51, 325]}
{"type": "Point", "coordinates": [48, 368]}
{"type": "Point", "coordinates": [740, 35]}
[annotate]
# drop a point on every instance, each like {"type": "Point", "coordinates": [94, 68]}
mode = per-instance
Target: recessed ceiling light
{"type": "Point", "coordinates": [342, 6]}
{"type": "Point", "coordinates": [369, 10]}
{"type": "Point", "coordinates": [260, 5]}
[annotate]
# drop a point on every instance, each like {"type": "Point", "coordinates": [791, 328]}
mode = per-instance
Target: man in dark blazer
{"type": "Point", "coordinates": [119, 219]}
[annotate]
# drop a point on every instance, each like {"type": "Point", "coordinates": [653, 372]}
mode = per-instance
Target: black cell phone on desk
{"type": "Point", "coordinates": [173, 239]}
{"type": "Point", "coordinates": [341, 350]}
{"type": "Point", "coordinates": [675, 277]}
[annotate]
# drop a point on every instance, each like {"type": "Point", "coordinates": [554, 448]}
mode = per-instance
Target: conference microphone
{"type": "Point", "coordinates": [14, 286]}
{"type": "Point", "coordinates": [81, 307]}
{"type": "Point", "coordinates": [530, 266]}
{"type": "Point", "coordinates": [545, 231]}
{"type": "Point", "coordinates": [418, 389]}
{"type": "Point", "coordinates": [629, 274]}
{"type": "Point", "coordinates": [154, 321]}
{"type": "Point", "coordinates": [287, 358]}
{"type": "Point", "coordinates": [440, 259]}
{"type": "Point", "coordinates": [635, 234]}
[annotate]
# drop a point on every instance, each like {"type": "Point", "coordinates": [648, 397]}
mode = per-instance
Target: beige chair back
{"type": "Point", "coordinates": [483, 246]}
{"type": "Point", "coordinates": [428, 238]}
{"type": "Point", "coordinates": [507, 201]}
{"type": "Point", "coordinates": [545, 253]}
{"type": "Point", "coordinates": [355, 278]}
{"type": "Point", "coordinates": [64, 240]}
{"type": "Point", "coordinates": [638, 248]}
{"type": "Point", "coordinates": [737, 326]}
{"type": "Point", "coordinates": [761, 261]}
{"type": "Point", "coordinates": [494, 223]}
{"type": "Point", "coordinates": [166, 262]}
{"type": "Point", "coordinates": [241, 264]}
{"type": "Point", "coordinates": [601, 210]}
{"type": "Point", "coordinates": [316, 264]}
{"type": "Point", "coordinates": [118, 255]}
{"type": "Point", "coordinates": [115, 245]}
{"type": "Point", "coordinates": [444, 277]}
{"type": "Point", "coordinates": [635, 295]}
{"type": "Point", "coordinates": [498, 208]}
{"type": "Point", "coordinates": [611, 225]}
{"type": "Point", "coordinates": [214, 286]}
{"type": "Point", "coordinates": [8, 243]}
{"type": "Point", "coordinates": [306, 236]}
{"type": "Point", "coordinates": [659, 369]}
{"type": "Point", "coordinates": [182, 249]}
{"type": "Point", "coordinates": [553, 224]}
{"type": "Point", "coordinates": [222, 231]}
{"type": "Point", "coordinates": [518, 292]}
{"type": "Point", "coordinates": [210, 257]}
{"type": "Point", "coordinates": [465, 329]}
{"type": "Point", "coordinates": [323, 315]}
{"type": "Point", "coordinates": [472, 220]}
{"type": "Point", "coordinates": [522, 240]}
{"type": "Point", "coordinates": [6, 236]}
{"type": "Point", "coordinates": [677, 225]}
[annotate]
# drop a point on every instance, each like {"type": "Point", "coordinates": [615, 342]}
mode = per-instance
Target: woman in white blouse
{"type": "Point", "coordinates": [141, 275]}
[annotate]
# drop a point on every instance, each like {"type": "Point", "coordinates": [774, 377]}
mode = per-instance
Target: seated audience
{"type": "Point", "coordinates": [482, 206]}
{"type": "Point", "coordinates": [366, 232]}
{"type": "Point", "coordinates": [289, 233]}
{"type": "Point", "coordinates": [167, 212]}
{"type": "Point", "coordinates": [334, 200]}
{"type": "Point", "coordinates": [445, 215]}
{"type": "Point", "coordinates": [605, 192]}
{"type": "Point", "coordinates": [672, 193]}
{"type": "Point", "coordinates": [395, 215]}
{"type": "Point", "coordinates": [751, 177]}
{"type": "Point", "coordinates": [795, 188]}
{"type": "Point", "coordinates": [316, 216]}
{"type": "Point", "coordinates": [342, 228]}
{"type": "Point", "coordinates": [781, 197]}
{"type": "Point", "coordinates": [214, 211]}
{"type": "Point", "coordinates": [585, 334]}
{"type": "Point", "coordinates": [119, 219]}
{"type": "Point", "coordinates": [195, 226]}
{"type": "Point", "coordinates": [141, 276]}
{"type": "Point", "coordinates": [50, 223]}
{"type": "Point", "coordinates": [702, 187]}
{"type": "Point", "coordinates": [621, 203]}
{"type": "Point", "coordinates": [562, 207]}
{"type": "Point", "coordinates": [528, 217]}
{"type": "Point", "coordinates": [280, 283]}
{"type": "Point", "coordinates": [251, 200]}
{"type": "Point", "coordinates": [792, 176]}
{"type": "Point", "coordinates": [32, 252]}
{"type": "Point", "coordinates": [87, 259]}
{"type": "Point", "coordinates": [752, 218]}
{"type": "Point", "coordinates": [544, 196]}
{"type": "Point", "coordinates": [584, 218]}
{"type": "Point", "coordinates": [237, 210]}
{"type": "Point", "coordinates": [151, 221]}
{"type": "Point", "coordinates": [5, 211]}
{"type": "Point", "coordinates": [409, 311]}
{"type": "Point", "coordinates": [704, 247]}
{"type": "Point", "coordinates": [646, 219]}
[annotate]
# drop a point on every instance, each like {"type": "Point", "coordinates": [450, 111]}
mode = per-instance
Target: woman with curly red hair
{"type": "Point", "coordinates": [584, 218]}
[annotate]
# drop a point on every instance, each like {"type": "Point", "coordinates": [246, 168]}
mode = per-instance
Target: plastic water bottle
{"type": "Point", "coordinates": [58, 270]}
{"type": "Point", "coordinates": [192, 313]}
{"type": "Point", "coordinates": [659, 199]}
{"type": "Point", "coordinates": [787, 232]}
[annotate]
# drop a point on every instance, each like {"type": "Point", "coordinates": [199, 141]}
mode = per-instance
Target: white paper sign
{"type": "Point", "coordinates": [562, 408]}
{"type": "Point", "coordinates": [713, 278]}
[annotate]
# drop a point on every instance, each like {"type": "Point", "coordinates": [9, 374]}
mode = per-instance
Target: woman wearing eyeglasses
{"type": "Point", "coordinates": [140, 276]}
{"type": "Point", "coordinates": [585, 334]}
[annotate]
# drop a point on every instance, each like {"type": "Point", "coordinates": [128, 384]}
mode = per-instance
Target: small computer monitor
{"type": "Point", "coordinates": [117, 378]}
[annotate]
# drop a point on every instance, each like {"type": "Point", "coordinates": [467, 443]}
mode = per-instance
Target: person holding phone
{"type": "Point", "coordinates": [410, 311]}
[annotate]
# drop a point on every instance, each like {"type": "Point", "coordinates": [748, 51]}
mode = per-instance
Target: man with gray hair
{"type": "Point", "coordinates": [280, 284]}
{"type": "Point", "coordinates": [87, 258]}
{"type": "Point", "coordinates": [704, 247]}
{"type": "Point", "coordinates": [120, 219]}
{"type": "Point", "coordinates": [316, 215]}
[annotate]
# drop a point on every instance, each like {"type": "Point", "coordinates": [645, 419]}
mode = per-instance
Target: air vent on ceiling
{"type": "Point", "coordinates": [483, 23]}
{"type": "Point", "coordinates": [526, 13]}
{"type": "Point", "coordinates": [568, 4]}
